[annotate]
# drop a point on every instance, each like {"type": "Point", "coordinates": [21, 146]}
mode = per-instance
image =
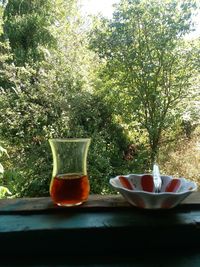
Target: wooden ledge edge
{"type": "Point", "coordinates": [98, 202]}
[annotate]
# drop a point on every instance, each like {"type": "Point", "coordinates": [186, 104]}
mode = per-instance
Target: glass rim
{"type": "Point", "coordinates": [69, 139]}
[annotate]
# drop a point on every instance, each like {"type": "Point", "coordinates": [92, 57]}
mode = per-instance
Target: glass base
{"type": "Point", "coordinates": [69, 205]}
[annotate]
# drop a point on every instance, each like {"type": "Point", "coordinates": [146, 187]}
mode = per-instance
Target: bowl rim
{"type": "Point", "coordinates": [153, 193]}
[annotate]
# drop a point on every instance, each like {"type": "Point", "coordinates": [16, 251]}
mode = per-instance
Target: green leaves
{"type": "Point", "coordinates": [2, 151]}
{"type": "Point", "coordinates": [48, 91]}
{"type": "Point", "coordinates": [146, 60]}
{"type": "Point", "coordinates": [26, 25]}
{"type": "Point", "coordinates": [4, 192]}
{"type": "Point", "coordinates": [127, 88]}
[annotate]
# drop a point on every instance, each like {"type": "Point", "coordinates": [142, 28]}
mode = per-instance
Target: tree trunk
{"type": "Point", "coordinates": [154, 145]}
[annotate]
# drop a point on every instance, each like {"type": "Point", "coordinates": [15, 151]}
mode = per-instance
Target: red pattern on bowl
{"type": "Point", "coordinates": [138, 190]}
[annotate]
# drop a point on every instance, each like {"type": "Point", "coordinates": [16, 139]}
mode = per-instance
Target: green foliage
{"type": "Point", "coordinates": [183, 156]}
{"type": "Point", "coordinates": [93, 118]}
{"type": "Point", "coordinates": [2, 150]}
{"type": "Point", "coordinates": [26, 26]}
{"type": "Point", "coordinates": [52, 85]}
{"type": "Point", "coordinates": [4, 191]}
{"type": "Point", "coordinates": [148, 65]}
{"type": "Point", "coordinates": [53, 97]}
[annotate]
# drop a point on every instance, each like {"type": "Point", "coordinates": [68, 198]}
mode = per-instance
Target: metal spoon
{"type": "Point", "coordinates": [156, 178]}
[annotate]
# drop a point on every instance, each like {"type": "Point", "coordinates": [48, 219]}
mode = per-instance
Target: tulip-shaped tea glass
{"type": "Point", "coordinates": [69, 183]}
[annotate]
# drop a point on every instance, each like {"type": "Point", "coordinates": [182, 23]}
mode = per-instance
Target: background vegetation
{"type": "Point", "coordinates": [131, 83]}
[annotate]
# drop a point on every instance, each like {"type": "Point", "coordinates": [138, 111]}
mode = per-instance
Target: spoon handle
{"type": "Point", "coordinates": [156, 178]}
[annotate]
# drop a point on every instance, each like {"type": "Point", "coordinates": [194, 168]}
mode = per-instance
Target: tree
{"type": "Point", "coordinates": [147, 63]}
{"type": "Point", "coordinates": [37, 81]}
{"type": "Point", "coordinates": [26, 25]}
{"type": "Point", "coordinates": [47, 92]}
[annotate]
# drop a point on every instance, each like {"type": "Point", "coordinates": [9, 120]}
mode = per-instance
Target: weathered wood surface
{"type": "Point", "coordinates": [46, 204]}
{"type": "Point", "coordinates": [95, 202]}
{"type": "Point", "coordinates": [104, 231]}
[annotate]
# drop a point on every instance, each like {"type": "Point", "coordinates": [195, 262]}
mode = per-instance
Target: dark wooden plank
{"type": "Point", "coordinates": [170, 258]}
{"type": "Point", "coordinates": [97, 202]}
{"type": "Point", "coordinates": [112, 228]}
{"type": "Point", "coordinates": [98, 232]}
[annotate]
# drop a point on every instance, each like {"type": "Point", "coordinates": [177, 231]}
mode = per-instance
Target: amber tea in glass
{"type": "Point", "coordinates": [69, 184]}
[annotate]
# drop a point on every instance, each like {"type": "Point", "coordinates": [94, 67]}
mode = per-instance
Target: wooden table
{"type": "Point", "coordinates": [104, 231]}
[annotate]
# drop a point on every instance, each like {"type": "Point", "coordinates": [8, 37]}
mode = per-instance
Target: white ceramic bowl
{"type": "Point", "coordinates": [138, 190]}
